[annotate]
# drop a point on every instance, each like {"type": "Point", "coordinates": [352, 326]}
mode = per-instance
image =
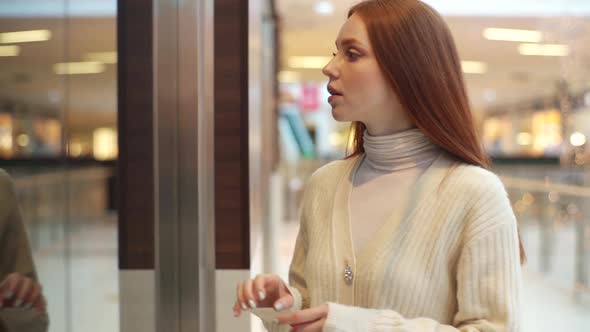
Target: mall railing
{"type": "Point", "coordinates": [56, 202]}
{"type": "Point", "coordinates": [552, 206]}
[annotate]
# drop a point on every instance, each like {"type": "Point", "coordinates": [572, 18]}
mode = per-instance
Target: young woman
{"type": "Point", "coordinates": [411, 232]}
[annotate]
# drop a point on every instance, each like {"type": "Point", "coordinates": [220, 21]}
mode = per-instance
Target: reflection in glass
{"type": "Point", "coordinates": [57, 91]}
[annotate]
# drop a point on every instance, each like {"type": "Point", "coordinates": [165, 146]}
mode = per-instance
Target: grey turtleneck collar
{"type": "Point", "coordinates": [407, 149]}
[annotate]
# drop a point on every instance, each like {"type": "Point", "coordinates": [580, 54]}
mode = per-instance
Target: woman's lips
{"type": "Point", "coordinates": [333, 91]}
{"type": "Point", "coordinates": [334, 94]}
{"type": "Point", "coordinates": [333, 98]}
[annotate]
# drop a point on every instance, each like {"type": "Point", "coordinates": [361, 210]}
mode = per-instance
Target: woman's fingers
{"type": "Point", "coordinates": [19, 291]}
{"type": "Point", "coordinates": [237, 306]}
{"type": "Point", "coordinates": [260, 286]}
{"type": "Point", "coordinates": [25, 288]}
{"type": "Point", "coordinates": [249, 294]}
{"type": "Point", "coordinates": [260, 292]}
{"type": "Point", "coordinates": [236, 309]}
{"type": "Point", "coordinates": [268, 284]}
{"type": "Point", "coordinates": [10, 290]}
{"type": "Point", "coordinates": [40, 305]}
{"type": "Point", "coordinates": [9, 285]}
{"type": "Point", "coordinates": [283, 303]}
{"type": "Point", "coordinates": [241, 299]}
{"type": "Point", "coordinates": [33, 296]}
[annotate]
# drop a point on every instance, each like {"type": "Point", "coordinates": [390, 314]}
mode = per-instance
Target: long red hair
{"type": "Point", "coordinates": [417, 54]}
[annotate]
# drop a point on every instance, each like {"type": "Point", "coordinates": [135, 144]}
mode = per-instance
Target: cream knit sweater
{"type": "Point", "coordinates": [450, 262]}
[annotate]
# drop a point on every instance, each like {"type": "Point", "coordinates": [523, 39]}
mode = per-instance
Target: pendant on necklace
{"type": "Point", "coordinates": [348, 276]}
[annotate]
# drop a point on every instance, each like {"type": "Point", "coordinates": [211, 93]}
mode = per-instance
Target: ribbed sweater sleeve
{"type": "Point", "coordinates": [488, 277]}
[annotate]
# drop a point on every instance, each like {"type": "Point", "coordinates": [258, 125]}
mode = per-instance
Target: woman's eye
{"type": "Point", "coordinates": [352, 56]}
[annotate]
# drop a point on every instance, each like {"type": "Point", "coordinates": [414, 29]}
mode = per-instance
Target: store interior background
{"type": "Point", "coordinates": [531, 98]}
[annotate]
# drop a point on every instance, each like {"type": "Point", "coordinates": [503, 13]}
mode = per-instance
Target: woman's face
{"type": "Point", "coordinates": [359, 90]}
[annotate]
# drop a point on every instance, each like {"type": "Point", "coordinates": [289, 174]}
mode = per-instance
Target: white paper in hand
{"type": "Point", "coordinates": [267, 314]}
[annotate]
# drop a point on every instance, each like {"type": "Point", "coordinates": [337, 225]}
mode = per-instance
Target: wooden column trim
{"type": "Point", "coordinates": [135, 125]}
{"type": "Point", "coordinates": [232, 202]}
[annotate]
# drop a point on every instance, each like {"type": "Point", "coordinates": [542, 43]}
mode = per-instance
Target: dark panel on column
{"type": "Point", "coordinates": [232, 207]}
{"type": "Point", "coordinates": [135, 120]}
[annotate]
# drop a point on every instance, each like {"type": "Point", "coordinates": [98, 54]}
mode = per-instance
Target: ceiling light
{"type": "Point", "coordinates": [309, 62]}
{"type": "Point", "coordinates": [104, 57]}
{"type": "Point", "coordinates": [527, 36]}
{"type": "Point", "coordinates": [24, 36]}
{"type": "Point", "coordinates": [578, 139]}
{"type": "Point", "coordinates": [544, 49]}
{"type": "Point", "coordinates": [324, 8]}
{"type": "Point", "coordinates": [474, 67]}
{"type": "Point", "coordinates": [11, 50]}
{"type": "Point", "coordinates": [72, 68]}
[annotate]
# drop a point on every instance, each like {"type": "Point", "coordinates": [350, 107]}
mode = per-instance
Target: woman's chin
{"type": "Point", "coordinates": [337, 114]}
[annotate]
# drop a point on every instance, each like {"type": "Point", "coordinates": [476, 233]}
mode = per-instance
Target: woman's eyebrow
{"type": "Point", "coordinates": [348, 41]}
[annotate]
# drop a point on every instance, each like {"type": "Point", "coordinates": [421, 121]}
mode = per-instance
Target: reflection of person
{"type": "Point", "coordinates": [22, 306]}
{"type": "Point", "coordinates": [411, 232]}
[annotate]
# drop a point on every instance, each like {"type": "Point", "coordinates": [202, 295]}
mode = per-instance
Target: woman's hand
{"type": "Point", "coordinates": [265, 291]}
{"type": "Point", "coordinates": [308, 320]}
{"type": "Point", "coordinates": [17, 291]}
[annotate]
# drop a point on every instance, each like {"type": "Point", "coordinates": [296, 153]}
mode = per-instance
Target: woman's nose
{"type": "Point", "coordinates": [329, 70]}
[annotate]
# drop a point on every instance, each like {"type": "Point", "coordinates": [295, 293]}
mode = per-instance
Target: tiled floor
{"type": "Point", "coordinates": [81, 286]}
